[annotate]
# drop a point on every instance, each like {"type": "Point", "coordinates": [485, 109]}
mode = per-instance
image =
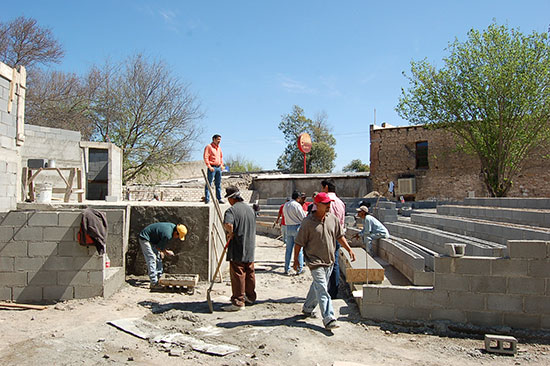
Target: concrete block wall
{"type": "Point", "coordinates": [489, 292]}
{"type": "Point", "coordinates": [41, 260]}
{"type": "Point", "coordinates": [510, 202]}
{"type": "Point", "coordinates": [406, 261]}
{"type": "Point", "coordinates": [522, 216]}
{"type": "Point", "coordinates": [63, 146]}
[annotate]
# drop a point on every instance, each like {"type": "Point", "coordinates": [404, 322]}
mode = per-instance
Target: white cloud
{"type": "Point", "coordinates": [295, 86]}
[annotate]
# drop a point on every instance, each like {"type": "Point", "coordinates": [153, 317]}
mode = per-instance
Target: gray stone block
{"type": "Point", "coordinates": [28, 293]}
{"type": "Point", "coordinates": [14, 249]}
{"type": "Point", "coordinates": [29, 233]}
{"type": "Point", "coordinates": [60, 264]}
{"type": "Point", "coordinates": [452, 281]}
{"type": "Point", "coordinates": [522, 321]}
{"type": "Point", "coordinates": [29, 264]}
{"type": "Point", "coordinates": [41, 278]}
{"type": "Point", "coordinates": [6, 234]}
{"type": "Point", "coordinates": [485, 318]}
{"type": "Point", "coordinates": [509, 267]}
{"type": "Point", "coordinates": [5, 294]}
{"type": "Point", "coordinates": [15, 218]}
{"type": "Point", "coordinates": [453, 315]}
{"type": "Point", "coordinates": [12, 279]}
{"type": "Point", "coordinates": [73, 278]}
{"type": "Point", "coordinates": [42, 249]}
{"type": "Point", "coordinates": [539, 269]}
{"type": "Point", "coordinates": [398, 296]}
{"type": "Point", "coordinates": [58, 292]}
{"type": "Point", "coordinates": [507, 303]}
{"type": "Point", "coordinates": [487, 284]}
{"type": "Point", "coordinates": [527, 286]}
{"type": "Point", "coordinates": [43, 219]}
{"type": "Point", "coordinates": [59, 234]}
{"type": "Point", "coordinates": [535, 249]}
{"type": "Point", "coordinates": [94, 263]}
{"type": "Point", "coordinates": [444, 265]}
{"type": "Point", "coordinates": [474, 265]}
{"type": "Point", "coordinates": [537, 304]}
{"type": "Point", "coordinates": [412, 313]}
{"type": "Point", "coordinates": [96, 277]}
{"type": "Point", "coordinates": [73, 249]}
{"type": "Point", "coordinates": [7, 264]}
{"type": "Point", "coordinates": [429, 299]}
{"type": "Point", "coordinates": [70, 219]}
{"type": "Point", "coordinates": [467, 301]}
{"type": "Point", "coordinates": [371, 294]}
{"type": "Point", "coordinates": [85, 292]}
{"type": "Point", "coordinates": [378, 311]}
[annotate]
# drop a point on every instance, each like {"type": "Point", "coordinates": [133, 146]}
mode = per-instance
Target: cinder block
{"type": "Point", "coordinates": [537, 304]}
{"type": "Point", "coordinates": [453, 315]}
{"type": "Point", "coordinates": [485, 318]}
{"type": "Point", "coordinates": [59, 292]}
{"type": "Point", "coordinates": [59, 234]}
{"type": "Point", "coordinates": [29, 264]}
{"type": "Point", "coordinates": [371, 294]}
{"type": "Point", "coordinates": [467, 301]}
{"type": "Point", "coordinates": [41, 278]}
{"type": "Point", "coordinates": [28, 293]}
{"type": "Point", "coordinates": [14, 249]}
{"type": "Point", "coordinates": [12, 279]}
{"type": "Point", "coordinates": [15, 218]}
{"type": "Point", "coordinates": [487, 284]}
{"type": "Point", "coordinates": [396, 295]}
{"type": "Point", "coordinates": [474, 265]}
{"type": "Point", "coordinates": [509, 303]}
{"type": "Point", "coordinates": [74, 278]}
{"type": "Point", "coordinates": [42, 249]}
{"type": "Point", "coordinates": [7, 264]}
{"type": "Point", "coordinates": [429, 299]}
{"type": "Point", "coordinates": [522, 321]}
{"type": "Point", "coordinates": [43, 219]}
{"type": "Point", "coordinates": [378, 311]}
{"type": "Point", "coordinates": [73, 249]}
{"type": "Point", "coordinates": [5, 294]}
{"type": "Point", "coordinates": [501, 344]}
{"type": "Point", "coordinates": [6, 234]}
{"type": "Point", "coordinates": [535, 249]}
{"type": "Point", "coordinates": [29, 233]}
{"type": "Point", "coordinates": [60, 264]}
{"type": "Point", "coordinates": [86, 292]}
{"type": "Point", "coordinates": [96, 277]}
{"type": "Point", "coordinates": [539, 268]}
{"type": "Point", "coordinates": [412, 313]}
{"type": "Point", "coordinates": [527, 286]}
{"type": "Point", "coordinates": [509, 267]}
{"type": "Point", "coordinates": [94, 263]}
{"type": "Point", "coordinates": [454, 282]}
{"type": "Point", "coordinates": [444, 265]}
{"type": "Point", "coordinates": [70, 219]}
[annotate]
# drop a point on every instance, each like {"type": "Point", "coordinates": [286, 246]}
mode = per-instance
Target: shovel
{"type": "Point", "coordinates": [208, 298]}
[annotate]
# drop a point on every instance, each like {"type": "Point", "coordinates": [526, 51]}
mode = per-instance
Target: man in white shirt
{"type": "Point", "coordinates": [294, 214]}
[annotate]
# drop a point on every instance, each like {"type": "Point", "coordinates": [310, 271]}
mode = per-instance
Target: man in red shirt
{"type": "Point", "coordinates": [213, 158]}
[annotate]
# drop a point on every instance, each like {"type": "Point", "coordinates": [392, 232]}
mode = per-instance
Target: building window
{"type": "Point", "coordinates": [422, 155]}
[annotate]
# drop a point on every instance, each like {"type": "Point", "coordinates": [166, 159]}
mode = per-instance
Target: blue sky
{"type": "Point", "coordinates": [249, 62]}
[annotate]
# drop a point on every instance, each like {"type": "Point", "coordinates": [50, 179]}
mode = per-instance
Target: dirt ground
{"type": "Point", "coordinates": [271, 332]}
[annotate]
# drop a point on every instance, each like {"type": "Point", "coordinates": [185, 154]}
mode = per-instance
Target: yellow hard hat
{"type": "Point", "coordinates": [182, 231]}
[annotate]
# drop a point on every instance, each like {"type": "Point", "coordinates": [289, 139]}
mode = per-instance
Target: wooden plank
{"type": "Point", "coordinates": [356, 272]}
{"type": "Point", "coordinates": [69, 188]}
{"type": "Point", "coordinates": [22, 306]}
{"type": "Point", "coordinates": [189, 280]}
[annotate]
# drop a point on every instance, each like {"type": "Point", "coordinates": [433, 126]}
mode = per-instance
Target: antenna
{"type": "Point", "coordinates": [374, 115]}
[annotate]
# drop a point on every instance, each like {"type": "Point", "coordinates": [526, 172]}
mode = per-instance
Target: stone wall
{"type": "Point", "coordinates": [41, 260]}
{"type": "Point", "coordinates": [491, 292]}
{"type": "Point", "coordinates": [12, 112]}
{"type": "Point", "coordinates": [451, 174]}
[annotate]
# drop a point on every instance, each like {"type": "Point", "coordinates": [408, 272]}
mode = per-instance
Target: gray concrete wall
{"type": "Point", "coordinates": [484, 291]}
{"type": "Point", "coordinates": [41, 260]}
{"type": "Point", "coordinates": [282, 185]}
{"type": "Point", "coordinates": [52, 143]}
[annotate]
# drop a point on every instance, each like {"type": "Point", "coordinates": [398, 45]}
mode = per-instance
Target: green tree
{"type": "Point", "coordinates": [493, 92]}
{"type": "Point", "coordinates": [321, 157]}
{"type": "Point", "coordinates": [356, 165]}
{"type": "Point", "coordinates": [146, 111]}
{"type": "Point", "coordinates": [239, 164]}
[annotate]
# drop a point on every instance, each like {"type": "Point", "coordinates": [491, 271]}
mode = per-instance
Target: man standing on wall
{"type": "Point", "coordinates": [213, 158]}
{"type": "Point", "coordinates": [372, 229]}
{"type": "Point", "coordinates": [240, 224]}
{"type": "Point", "coordinates": [338, 208]}
{"type": "Point", "coordinates": [153, 241]}
{"type": "Point", "coordinates": [294, 214]}
{"type": "Point", "coordinates": [318, 235]}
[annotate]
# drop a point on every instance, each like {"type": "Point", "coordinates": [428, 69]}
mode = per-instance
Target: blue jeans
{"type": "Point", "coordinates": [215, 176]}
{"type": "Point", "coordinates": [291, 233]}
{"type": "Point", "coordinates": [318, 294]}
{"type": "Point", "coordinates": [152, 260]}
{"type": "Point", "coordinates": [367, 240]}
{"type": "Point", "coordinates": [334, 280]}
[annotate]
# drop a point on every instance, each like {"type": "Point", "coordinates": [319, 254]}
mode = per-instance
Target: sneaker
{"type": "Point", "coordinates": [333, 324]}
{"type": "Point", "coordinates": [221, 202]}
{"type": "Point", "coordinates": [232, 307]}
{"type": "Point", "coordinates": [309, 314]}
{"type": "Point", "coordinates": [247, 301]}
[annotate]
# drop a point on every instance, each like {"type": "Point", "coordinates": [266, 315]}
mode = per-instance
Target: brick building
{"type": "Point", "coordinates": [426, 164]}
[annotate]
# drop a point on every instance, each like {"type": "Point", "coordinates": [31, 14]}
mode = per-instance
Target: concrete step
{"type": "Point", "coordinates": [510, 202]}
{"type": "Point", "coordinates": [113, 279]}
{"type": "Point", "coordinates": [487, 230]}
{"type": "Point", "coordinates": [436, 239]}
{"type": "Point", "coordinates": [521, 216]}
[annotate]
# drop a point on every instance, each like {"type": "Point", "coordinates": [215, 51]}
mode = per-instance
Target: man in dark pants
{"type": "Point", "coordinates": [240, 224]}
{"type": "Point", "coordinates": [338, 208]}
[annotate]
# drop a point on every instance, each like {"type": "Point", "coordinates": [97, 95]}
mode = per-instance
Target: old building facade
{"type": "Point", "coordinates": [426, 164]}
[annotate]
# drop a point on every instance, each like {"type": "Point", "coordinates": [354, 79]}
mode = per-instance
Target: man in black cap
{"type": "Point", "coordinates": [240, 224]}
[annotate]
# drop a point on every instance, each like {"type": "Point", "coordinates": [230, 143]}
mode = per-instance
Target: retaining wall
{"type": "Point", "coordinates": [509, 291]}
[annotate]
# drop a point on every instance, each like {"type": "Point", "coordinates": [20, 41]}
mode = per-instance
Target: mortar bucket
{"type": "Point", "coordinates": [44, 193]}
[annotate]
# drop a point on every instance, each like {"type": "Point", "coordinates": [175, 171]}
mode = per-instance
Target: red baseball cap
{"type": "Point", "coordinates": [322, 198]}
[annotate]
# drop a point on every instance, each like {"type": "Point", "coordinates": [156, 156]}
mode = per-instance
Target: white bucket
{"type": "Point", "coordinates": [44, 193]}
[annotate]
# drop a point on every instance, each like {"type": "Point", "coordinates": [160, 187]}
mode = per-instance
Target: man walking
{"type": "Point", "coordinates": [213, 158]}
{"type": "Point", "coordinates": [294, 214]}
{"type": "Point", "coordinates": [240, 224]}
{"type": "Point", "coordinates": [338, 208]}
{"type": "Point", "coordinates": [153, 241]}
{"type": "Point", "coordinates": [318, 235]}
{"type": "Point", "coordinates": [372, 229]}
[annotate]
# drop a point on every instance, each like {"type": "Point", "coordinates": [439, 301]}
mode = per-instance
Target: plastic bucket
{"type": "Point", "coordinates": [44, 193]}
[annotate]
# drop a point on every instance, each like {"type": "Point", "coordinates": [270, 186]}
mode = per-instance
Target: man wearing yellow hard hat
{"type": "Point", "coordinates": [153, 241]}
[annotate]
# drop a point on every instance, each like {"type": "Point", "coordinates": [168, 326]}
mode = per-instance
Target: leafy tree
{"type": "Point", "coordinates": [356, 165]}
{"type": "Point", "coordinates": [146, 111]}
{"type": "Point", "coordinates": [321, 157]}
{"type": "Point", "coordinates": [239, 164]}
{"type": "Point", "coordinates": [493, 92]}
